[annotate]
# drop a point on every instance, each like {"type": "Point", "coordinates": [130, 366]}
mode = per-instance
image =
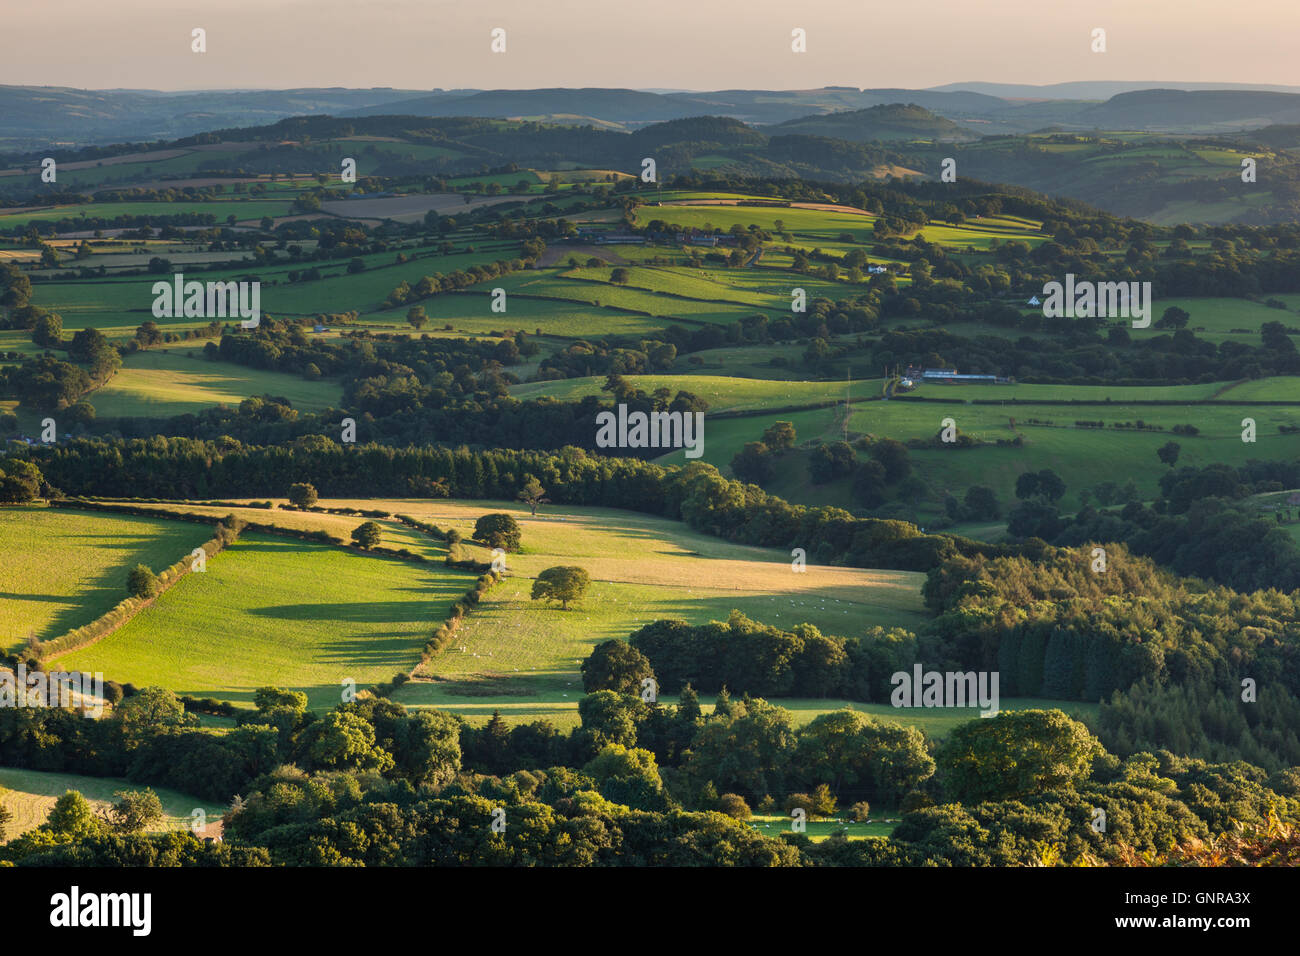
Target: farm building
{"type": "Point", "coordinates": [598, 238]}
{"type": "Point", "coordinates": [952, 377]}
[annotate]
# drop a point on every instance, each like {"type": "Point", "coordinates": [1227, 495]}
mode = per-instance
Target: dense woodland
{"type": "Point", "coordinates": [634, 785]}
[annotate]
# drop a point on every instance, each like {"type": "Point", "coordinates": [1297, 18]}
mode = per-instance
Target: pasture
{"type": "Point", "coordinates": [819, 829]}
{"type": "Point", "coordinates": [724, 394]}
{"type": "Point", "coordinates": [642, 569]}
{"type": "Point", "coordinates": [1050, 439]}
{"type": "Point", "coordinates": [220, 210]}
{"type": "Point", "coordinates": [276, 611]}
{"type": "Point", "coordinates": [271, 610]}
{"type": "Point", "coordinates": [166, 382]}
{"type": "Point", "coordinates": [1218, 319]}
{"type": "Point", "coordinates": [117, 306]}
{"type": "Point", "coordinates": [63, 569]}
{"type": "Point", "coordinates": [393, 534]}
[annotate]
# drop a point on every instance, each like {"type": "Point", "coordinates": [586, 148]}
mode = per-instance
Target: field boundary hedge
{"type": "Point", "coordinates": [318, 537]}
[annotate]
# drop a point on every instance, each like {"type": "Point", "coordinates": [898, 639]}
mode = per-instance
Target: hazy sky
{"type": "Point", "coordinates": [689, 44]}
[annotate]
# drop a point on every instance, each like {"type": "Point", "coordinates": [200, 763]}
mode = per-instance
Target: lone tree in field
{"type": "Point", "coordinates": [142, 582]}
{"type": "Point", "coordinates": [620, 276]}
{"type": "Point", "coordinates": [1173, 318]}
{"type": "Point", "coordinates": [563, 584]}
{"type": "Point", "coordinates": [498, 530]}
{"type": "Point", "coordinates": [615, 665]}
{"type": "Point", "coordinates": [135, 810]}
{"type": "Point", "coordinates": [417, 317]}
{"type": "Point", "coordinates": [533, 494]}
{"type": "Point", "coordinates": [367, 535]}
{"type": "Point", "coordinates": [1168, 453]}
{"type": "Point", "coordinates": [72, 815]}
{"type": "Point", "coordinates": [302, 495]}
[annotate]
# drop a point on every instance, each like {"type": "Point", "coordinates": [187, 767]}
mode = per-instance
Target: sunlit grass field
{"type": "Point", "coordinates": [271, 610]}
{"type": "Point", "coordinates": [162, 383]}
{"type": "Point", "coordinates": [30, 795]}
{"type": "Point", "coordinates": [62, 569]}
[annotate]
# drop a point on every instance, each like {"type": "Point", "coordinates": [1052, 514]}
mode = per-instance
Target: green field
{"type": "Point", "coordinates": [30, 795]}
{"type": "Point", "coordinates": [393, 534]}
{"type": "Point", "coordinates": [713, 304]}
{"type": "Point", "coordinates": [724, 438]}
{"type": "Point", "coordinates": [723, 394]}
{"type": "Point", "coordinates": [471, 312]}
{"type": "Point", "coordinates": [63, 569]}
{"type": "Point", "coordinates": [271, 610]}
{"type": "Point", "coordinates": [221, 209]}
{"type": "Point", "coordinates": [162, 383]}
{"type": "Point", "coordinates": [1083, 456]}
{"type": "Point", "coordinates": [277, 611]}
{"type": "Point", "coordinates": [512, 650]}
{"type": "Point", "coordinates": [1218, 319]}
{"type": "Point", "coordinates": [820, 829]}
{"type": "Point", "coordinates": [823, 228]}
{"type": "Point", "coordinates": [116, 306]}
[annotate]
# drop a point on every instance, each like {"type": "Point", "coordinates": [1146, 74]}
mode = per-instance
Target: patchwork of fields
{"type": "Point", "coordinates": [271, 610]}
{"type": "Point", "coordinates": [277, 611]}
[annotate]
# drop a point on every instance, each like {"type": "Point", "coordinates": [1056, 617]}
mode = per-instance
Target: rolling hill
{"type": "Point", "coordinates": [894, 121]}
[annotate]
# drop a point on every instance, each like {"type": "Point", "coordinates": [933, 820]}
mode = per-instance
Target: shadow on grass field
{"type": "Point", "coordinates": [63, 569]}
{"type": "Point", "coordinates": [271, 611]}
